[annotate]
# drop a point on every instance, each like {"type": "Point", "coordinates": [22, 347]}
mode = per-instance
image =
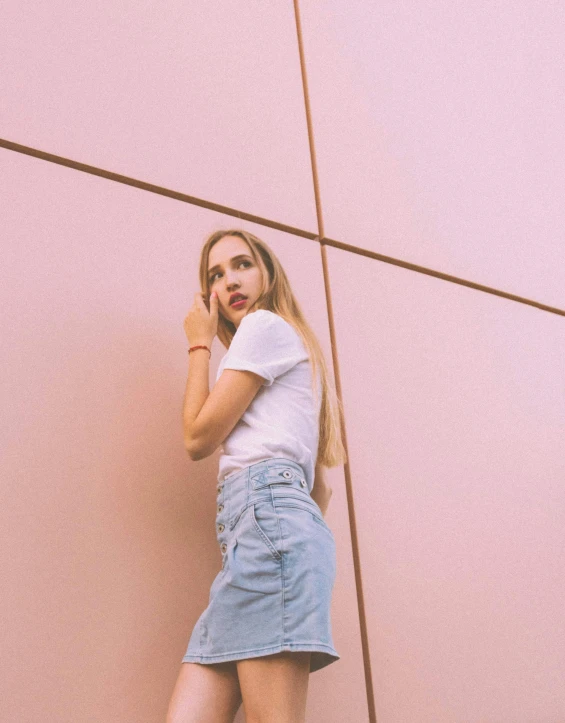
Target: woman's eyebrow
{"type": "Point", "coordinates": [239, 256]}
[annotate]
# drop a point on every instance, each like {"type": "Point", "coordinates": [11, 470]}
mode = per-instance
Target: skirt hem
{"type": "Point", "coordinates": [327, 654]}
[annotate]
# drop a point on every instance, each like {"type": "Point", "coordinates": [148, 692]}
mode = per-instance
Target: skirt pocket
{"type": "Point", "coordinates": [310, 507]}
{"type": "Point", "coordinates": [266, 524]}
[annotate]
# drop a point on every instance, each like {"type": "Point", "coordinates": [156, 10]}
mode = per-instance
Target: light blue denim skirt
{"type": "Point", "coordinates": [274, 590]}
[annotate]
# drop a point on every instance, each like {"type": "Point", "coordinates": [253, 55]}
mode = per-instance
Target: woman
{"type": "Point", "coordinates": [267, 625]}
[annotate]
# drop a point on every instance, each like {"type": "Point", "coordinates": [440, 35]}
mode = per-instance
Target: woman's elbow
{"type": "Point", "coordinates": [197, 451]}
{"type": "Point", "coordinates": [194, 452]}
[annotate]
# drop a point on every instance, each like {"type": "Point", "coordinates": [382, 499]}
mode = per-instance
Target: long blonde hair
{"type": "Point", "coordinates": [277, 296]}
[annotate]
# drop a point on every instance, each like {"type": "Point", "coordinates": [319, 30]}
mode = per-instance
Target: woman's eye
{"type": "Point", "coordinates": [219, 272]}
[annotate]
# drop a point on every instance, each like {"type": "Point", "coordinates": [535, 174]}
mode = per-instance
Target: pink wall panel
{"type": "Point", "coordinates": [202, 98]}
{"type": "Point", "coordinates": [455, 409]}
{"type": "Point", "coordinates": [108, 539]}
{"type": "Point", "coordinates": [439, 135]}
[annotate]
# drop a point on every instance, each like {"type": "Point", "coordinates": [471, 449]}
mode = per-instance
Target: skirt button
{"type": "Point", "coordinates": [287, 474]}
{"type": "Point", "coordinates": [223, 547]}
{"type": "Point", "coordinates": [220, 508]}
{"type": "Point", "coordinates": [221, 528]}
{"type": "Point", "coordinates": [219, 488]}
{"type": "Point", "coordinates": [303, 482]}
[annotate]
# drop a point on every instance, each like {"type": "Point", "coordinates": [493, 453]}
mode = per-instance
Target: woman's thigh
{"type": "Point", "coordinates": [274, 687]}
{"type": "Point", "coordinates": [205, 694]}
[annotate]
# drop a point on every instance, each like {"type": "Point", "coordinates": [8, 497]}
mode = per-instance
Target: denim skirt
{"type": "Point", "coordinates": [274, 590]}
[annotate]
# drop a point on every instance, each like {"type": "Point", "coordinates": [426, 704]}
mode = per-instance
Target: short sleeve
{"type": "Point", "coordinates": [265, 344]}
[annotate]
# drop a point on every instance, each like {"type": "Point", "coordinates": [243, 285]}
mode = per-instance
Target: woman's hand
{"type": "Point", "coordinates": [200, 324]}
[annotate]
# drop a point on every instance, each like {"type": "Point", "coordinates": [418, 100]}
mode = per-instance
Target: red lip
{"type": "Point", "coordinates": [237, 304]}
{"type": "Point", "coordinates": [244, 298]}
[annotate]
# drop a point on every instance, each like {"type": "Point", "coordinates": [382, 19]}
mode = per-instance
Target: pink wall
{"type": "Point", "coordinates": [196, 97]}
{"type": "Point", "coordinates": [439, 135]}
{"type": "Point", "coordinates": [109, 540]}
{"type": "Point", "coordinates": [438, 143]}
{"type": "Point", "coordinates": [456, 437]}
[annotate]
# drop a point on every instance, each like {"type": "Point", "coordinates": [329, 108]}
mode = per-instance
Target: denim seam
{"type": "Point", "coordinates": [299, 507]}
{"type": "Point", "coordinates": [315, 645]}
{"type": "Point", "coordinates": [283, 578]}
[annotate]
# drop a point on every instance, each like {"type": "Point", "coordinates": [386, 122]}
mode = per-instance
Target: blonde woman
{"type": "Point", "coordinates": [276, 418]}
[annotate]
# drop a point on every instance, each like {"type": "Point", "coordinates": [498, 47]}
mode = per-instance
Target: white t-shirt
{"type": "Point", "coordinates": [282, 419]}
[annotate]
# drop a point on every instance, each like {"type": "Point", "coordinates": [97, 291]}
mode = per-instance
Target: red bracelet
{"type": "Point", "coordinates": [200, 346]}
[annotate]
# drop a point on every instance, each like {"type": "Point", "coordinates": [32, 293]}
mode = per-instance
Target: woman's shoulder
{"type": "Point", "coordinates": [261, 314]}
{"type": "Point", "coordinates": [271, 323]}
{"type": "Point", "coordinates": [265, 317]}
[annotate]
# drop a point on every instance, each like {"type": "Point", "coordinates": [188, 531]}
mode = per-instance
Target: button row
{"type": "Point", "coordinates": [221, 526]}
{"type": "Point", "coordinates": [287, 474]}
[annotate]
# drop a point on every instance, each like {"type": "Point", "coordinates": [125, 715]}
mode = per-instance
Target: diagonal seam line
{"type": "Point", "coordinates": [269, 223]}
{"type": "Point", "coordinates": [440, 275]}
{"type": "Point", "coordinates": [365, 648]}
{"type": "Point", "coordinates": [309, 124]}
{"type": "Point", "coordinates": [153, 188]}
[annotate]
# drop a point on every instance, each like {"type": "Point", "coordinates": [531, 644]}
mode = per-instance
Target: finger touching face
{"type": "Point", "coordinates": [233, 270]}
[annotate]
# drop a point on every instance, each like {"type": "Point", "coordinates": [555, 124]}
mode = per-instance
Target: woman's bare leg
{"type": "Point", "coordinates": [205, 694]}
{"type": "Point", "coordinates": [274, 687]}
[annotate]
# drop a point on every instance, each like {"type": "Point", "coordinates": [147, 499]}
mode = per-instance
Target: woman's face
{"type": "Point", "coordinates": [231, 270]}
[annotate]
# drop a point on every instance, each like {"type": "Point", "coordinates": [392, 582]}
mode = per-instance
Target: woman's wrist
{"type": "Point", "coordinates": [200, 345]}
